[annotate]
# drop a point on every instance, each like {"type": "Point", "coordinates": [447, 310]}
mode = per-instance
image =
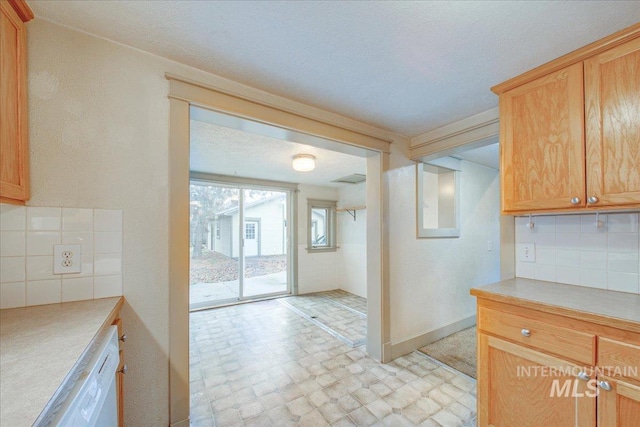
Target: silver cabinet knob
{"type": "Point", "coordinates": [605, 385]}
{"type": "Point", "coordinates": [575, 201]}
{"type": "Point", "coordinates": [583, 376]}
{"type": "Point", "coordinates": [592, 200]}
{"type": "Point", "coordinates": [525, 333]}
{"type": "Point", "coordinates": [124, 369]}
{"type": "Point", "coordinates": [123, 338]}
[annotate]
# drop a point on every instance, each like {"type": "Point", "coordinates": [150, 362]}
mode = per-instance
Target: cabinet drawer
{"type": "Point", "coordinates": [546, 337]}
{"type": "Point", "coordinates": [623, 358]}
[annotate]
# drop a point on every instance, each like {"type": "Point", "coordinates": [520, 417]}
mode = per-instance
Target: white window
{"type": "Point", "coordinates": [321, 222]}
{"type": "Point", "coordinates": [250, 231]}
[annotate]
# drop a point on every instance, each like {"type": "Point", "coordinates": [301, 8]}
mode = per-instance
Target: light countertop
{"type": "Point", "coordinates": [42, 346]}
{"type": "Point", "coordinates": [610, 308]}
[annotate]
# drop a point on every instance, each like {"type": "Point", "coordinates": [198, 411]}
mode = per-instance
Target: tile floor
{"type": "Point", "coordinates": [262, 364]}
{"type": "Point", "coordinates": [334, 311]}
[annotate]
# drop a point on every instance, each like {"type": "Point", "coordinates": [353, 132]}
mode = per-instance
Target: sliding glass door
{"type": "Point", "coordinates": [240, 243]}
{"type": "Point", "coordinates": [265, 242]}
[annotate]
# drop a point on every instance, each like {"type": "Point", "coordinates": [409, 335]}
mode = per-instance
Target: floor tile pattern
{"type": "Point", "coordinates": [261, 364]}
{"type": "Point", "coordinates": [349, 300]}
{"type": "Point", "coordinates": [336, 318]}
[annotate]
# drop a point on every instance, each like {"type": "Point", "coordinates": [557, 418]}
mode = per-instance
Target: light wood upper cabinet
{"type": "Point", "coordinates": [612, 102]}
{"type": "Point", "coordinates": [542, 133]}
{"type": "Point", "coordinates": [14, 140]}
{"type": "Point", "coordinates": [570, 130]}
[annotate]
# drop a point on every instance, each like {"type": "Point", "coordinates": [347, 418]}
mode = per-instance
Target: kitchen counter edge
{"type": "Point", "coordinates": [609, 308]}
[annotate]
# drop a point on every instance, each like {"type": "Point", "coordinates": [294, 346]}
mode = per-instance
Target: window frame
{"type": "Point", "coordinates": [331, 233]}
{"type": "Point", "coordinates": [422, 232]}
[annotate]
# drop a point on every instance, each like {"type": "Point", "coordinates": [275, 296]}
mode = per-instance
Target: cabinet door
{"type": "Point", "coordinates": [521, 387]}
{"type": "Point", "coordinates": [620, 406]}
{"type": "Point", "coordinates": [542, 143]}
{"type": "Point", "coordinates": [14, 152]}
{"type": "Point", "coordinates": [612, 96]}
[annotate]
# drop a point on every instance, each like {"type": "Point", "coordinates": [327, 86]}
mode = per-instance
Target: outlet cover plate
{"type": "Point", "coordinates": [67, 259]}
{"type": "Point", "coordinates": [527, 252]}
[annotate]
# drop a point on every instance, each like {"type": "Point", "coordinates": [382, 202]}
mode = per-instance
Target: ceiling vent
{"type": "Point", "coordinates": [356, 178]}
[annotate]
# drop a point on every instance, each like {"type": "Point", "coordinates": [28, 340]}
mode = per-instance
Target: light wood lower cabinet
{"type": "Point", "coordinates": [619, 406]}
{"type": "Point", "coordinates": [516, 387]}
{"type": "Point", "coordinates": [120, 373]}
{"type": "Point", "coordinates": [537, 369]}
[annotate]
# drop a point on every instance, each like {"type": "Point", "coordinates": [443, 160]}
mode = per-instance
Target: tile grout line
{"type": "Point", "coordinates": [320, 324]}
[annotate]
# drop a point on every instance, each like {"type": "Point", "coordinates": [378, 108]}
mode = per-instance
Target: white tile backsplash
{"type": "Point", "coordinates": [107, 242]}
{"type": "Point", "coordinates": [12, 269]}
{"type": "Point", "coordinates": [12, 295]}
{"type": "Point", "coordinates": [12, 243]}
{"type": "Point", "coordinates": [26, 254]}
{"type": "Point", "coordinates": [43, 219]}
{"type": "Point", "coordinates": [572, 249]}
{"type": "Point", "coordinates": [41, 242]}
{"type": "Point", "coordinates": [77, 219]}
{"type": "Point", "coordinates": [13, 218]}
{"type": "Point", "coordinates": [107, 286]}
{"type": "Point", "coordinates": [623, 223]}
{"type": "Point", "coordinates": [623, 242]}
{"type": "Point", "coordinates": [41, 292]}
{"type": "Point", "coordinates": [623, 282]}
{"type": "Point", "coordinates": [82, 238]}
{"type": "Point", "coordinates": [107, 264]}
{"type": "Point", "coordinates": [77, 289]}
{"type": "Point", "coordinates": [40, 268]}
{"type": "Point", "coordinates": [107, 220]}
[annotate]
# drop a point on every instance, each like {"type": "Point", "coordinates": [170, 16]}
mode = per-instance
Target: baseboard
{"type": "Point", "coordinates": [183, 423]}
{"type": "Point", "coordinates": [407, 346]}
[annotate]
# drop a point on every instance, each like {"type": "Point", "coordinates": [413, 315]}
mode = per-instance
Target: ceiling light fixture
{"type": "Point", "coordinates": [304, 162]}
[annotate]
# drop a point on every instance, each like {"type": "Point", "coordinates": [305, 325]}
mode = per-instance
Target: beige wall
{"type": "Point", "coordinates": [319, 271]}
{"type": "Point", "coordinates": [352, 239]}
{"type": "Point", "coordinates": [99, 123]}
{"type": "Point", "coordinates": [430, 278]}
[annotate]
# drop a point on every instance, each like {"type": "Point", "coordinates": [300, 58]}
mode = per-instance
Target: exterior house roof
{"type": "Point", "coordinates": [234, 210]}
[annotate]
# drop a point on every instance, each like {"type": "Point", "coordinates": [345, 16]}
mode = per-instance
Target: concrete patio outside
{"type": "Point", "coordinates": [201, 293]}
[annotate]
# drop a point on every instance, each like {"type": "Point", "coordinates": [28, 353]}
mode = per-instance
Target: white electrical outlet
{"type": "Point", "coordinates": [527, 252]}
{"type": "Point", "coordinates": [67, 259]}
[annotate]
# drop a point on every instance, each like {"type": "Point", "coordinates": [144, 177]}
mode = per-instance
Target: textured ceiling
{"type": "Point", "coordinates": [255, 156]}
{"type": "Point", "coordinates": [408, 67]}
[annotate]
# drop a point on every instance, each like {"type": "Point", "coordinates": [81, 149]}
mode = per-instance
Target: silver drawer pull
{"type": "Point", "coordinates": [575, 201]}
{"type": "Point", "coordinates": [583, 376]}
{"type": "Point", "coordinates": [124, 369]}
{"type": "Point", "coordinates": [525, 333]}
{"type": "Point", "coordinates": [605, 385]}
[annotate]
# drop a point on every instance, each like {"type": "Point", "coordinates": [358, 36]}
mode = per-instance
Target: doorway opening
{"type": "Point", "coordinates": [240, 243]}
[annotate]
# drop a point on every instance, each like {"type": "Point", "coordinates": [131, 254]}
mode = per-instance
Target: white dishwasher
{"type": "Point", "coordinates": [93, 400]}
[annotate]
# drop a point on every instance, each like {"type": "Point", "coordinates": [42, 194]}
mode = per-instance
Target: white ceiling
{"type": "Point", "coordinates": [489, 155]}
{"type": "Point", "coordinates": [408, 67]}
{"type": "Point", "coordinates": [256, 156]}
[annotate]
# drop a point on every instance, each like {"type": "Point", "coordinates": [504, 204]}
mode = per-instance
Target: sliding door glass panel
{"type": "Point", "coordinates": [265, 237]}
{"type": "Point", "coordinates": [214, 245]}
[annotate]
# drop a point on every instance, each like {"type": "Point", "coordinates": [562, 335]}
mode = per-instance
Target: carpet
{"type": "Point", "coordinates": [457, 350]}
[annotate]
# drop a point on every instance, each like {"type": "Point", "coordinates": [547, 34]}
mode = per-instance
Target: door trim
{"type": "Point", "coordinates": [182, 94]}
